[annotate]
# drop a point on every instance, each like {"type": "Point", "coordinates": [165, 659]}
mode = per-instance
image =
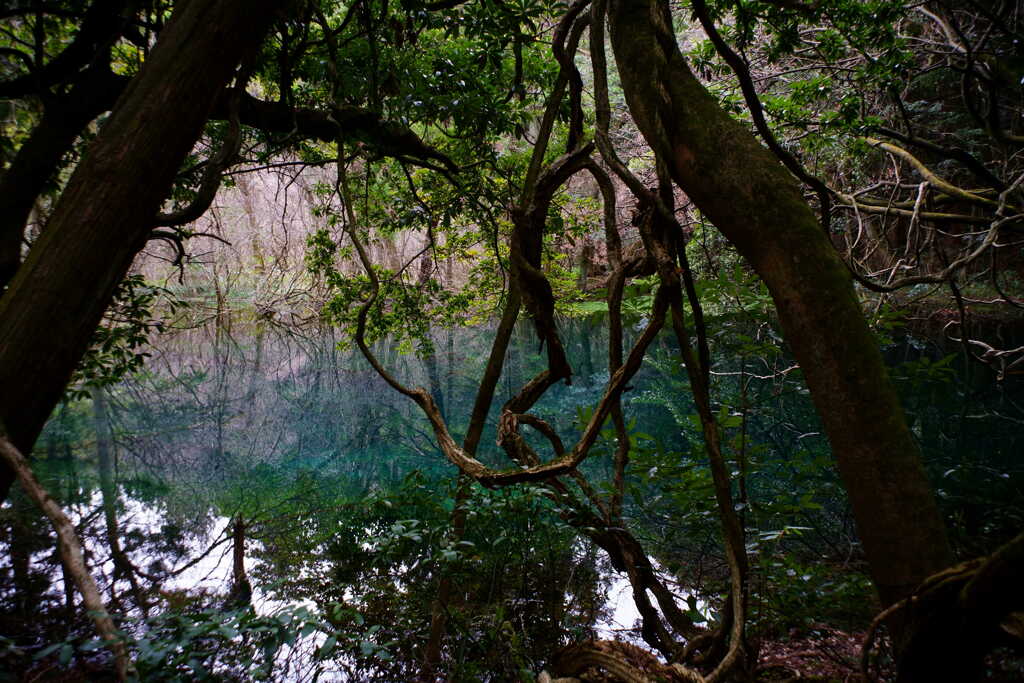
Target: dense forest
{"type": "Point", "coordinates": [512, 340]}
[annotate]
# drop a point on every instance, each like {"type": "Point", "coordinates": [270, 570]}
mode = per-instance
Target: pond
{"type": "Point", "coordinates": [256, 465]}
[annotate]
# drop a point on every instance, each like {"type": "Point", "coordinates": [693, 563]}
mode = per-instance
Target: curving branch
{"type": "Point", "coordinates": [564, 55]}
{"type": "Point", "coordinates": [958, 611]}
{"type": "Point", "coordinates": [568, 26]}
{"type": "Point", "coordinates": [616, 282]}
{"type": "Point", "coordinates": [991, 235]}
{"type": "Point", "coordinates": [70, 554]}
{"type": "Point", "coordinates": [526, 253]}
{"type": "Point", "coordinates": [657, 235]}
{"type": "Point", "coordinates": [213, 174]}
{"type": "Point", "coordinates": [1003, 360]}
{"type": "Point", "coordinates": [101, 25]}
{"type": "Point", "coordinates": [92, 92]}
{"type": "Point", "coordinates": [871, 205]}
{"type": "Point", "coordinates": [955, 153]}
{"type": "Point", "coordinates": [935, 180]}
{"type": "Point", "coordinates": [464, 460]}
{"type": "Point", "coordinates": [602, 105]}
{"type": "Point", "coordinates": [529, 216]}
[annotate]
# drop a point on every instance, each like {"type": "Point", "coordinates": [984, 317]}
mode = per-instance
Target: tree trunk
{"type": "Point", "coordinates": [758, 206]}
{"type": "Point", "coordinates": [38, 158]}
{"type": "Point", "coordinates": [105, 214]}
{"type": "Point", "coordinates": [240, 595]}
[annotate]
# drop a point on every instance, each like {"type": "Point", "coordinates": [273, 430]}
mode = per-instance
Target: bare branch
{"type": "Point", "coordinates": [70, 554]}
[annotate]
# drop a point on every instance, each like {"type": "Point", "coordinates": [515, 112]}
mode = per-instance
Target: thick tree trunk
{"type": "Point", "coordinates": [757, 205]}
{"type": "Point", "coordinates": [107, 210]}
{"type": "Point", "coordinates": [38, 158]}
{"type": "Point", "coordinates": [84, 63]}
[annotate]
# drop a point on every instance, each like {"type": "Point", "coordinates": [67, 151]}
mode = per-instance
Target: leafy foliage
{"type": "Point", "coordinates": [398, 309]}
{"type": "Point", "coordinates": [118, 347]}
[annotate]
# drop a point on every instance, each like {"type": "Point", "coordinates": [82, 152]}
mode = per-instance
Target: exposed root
{"type": "Point", "coordinates": [963, 612]}
{"type": "Point", "coordinates": [613, 661]}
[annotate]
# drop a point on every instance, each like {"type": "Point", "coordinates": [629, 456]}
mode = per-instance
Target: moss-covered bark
{"type": "Point", "coordinates": [758, 206]}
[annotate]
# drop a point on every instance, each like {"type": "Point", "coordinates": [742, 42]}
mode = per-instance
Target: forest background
{"type": "Point", "coordinates": [786, 188]}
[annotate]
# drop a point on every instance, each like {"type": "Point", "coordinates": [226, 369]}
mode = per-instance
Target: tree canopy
{"type": "Point", "coordinates": [540, 158]}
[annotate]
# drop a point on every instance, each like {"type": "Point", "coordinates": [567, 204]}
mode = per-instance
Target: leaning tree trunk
{"type": "Point", "coordinates": [758, 206]}
{"type": "Point", "coordinates": [39, 157]}
{"type": "Point", "coordinates": [105, 214]}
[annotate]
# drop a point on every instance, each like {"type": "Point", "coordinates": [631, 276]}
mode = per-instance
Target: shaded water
{"type": "Point", "coordinates": [345, 501]}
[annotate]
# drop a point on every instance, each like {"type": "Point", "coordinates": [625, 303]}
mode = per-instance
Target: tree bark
{"type": "Point", "coordinates": [38, 158]}
{"type": "Point", "coordinates": [105, 214]}
{"type": "Point", "coordinates": [758, 206]}
{"type": "Point", "coordinates": [241, 590]}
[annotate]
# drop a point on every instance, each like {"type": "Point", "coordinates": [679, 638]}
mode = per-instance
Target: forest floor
{"type": "Point", "coordinates": [819, 654]}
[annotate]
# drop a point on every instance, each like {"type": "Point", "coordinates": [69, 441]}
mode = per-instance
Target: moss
{"type": "Point", "coordinates": [757, 205]}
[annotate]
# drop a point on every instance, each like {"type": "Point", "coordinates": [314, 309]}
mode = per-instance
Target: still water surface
{"type": "Point", "coordinates": [344, 500]}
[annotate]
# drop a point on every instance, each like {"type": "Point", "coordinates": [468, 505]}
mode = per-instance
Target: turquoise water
{"type": "Point", "coordinates": [346, 501]}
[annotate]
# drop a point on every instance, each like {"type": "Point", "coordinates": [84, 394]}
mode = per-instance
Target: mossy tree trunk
{"type": "Point", "coordinates": [106, 213]}
{"type": "Point", "coordinates": [758, 206]}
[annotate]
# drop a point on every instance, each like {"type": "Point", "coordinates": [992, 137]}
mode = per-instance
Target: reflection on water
{"type": "Point", "coordinates": [312, 452]}
{"type": "Point", "coordinates": [250, 465]}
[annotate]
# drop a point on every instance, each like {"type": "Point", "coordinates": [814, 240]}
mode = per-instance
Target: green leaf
{"type": "Point", "coordinates": [328, 646]}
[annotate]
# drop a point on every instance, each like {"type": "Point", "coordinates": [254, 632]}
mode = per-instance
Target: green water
{"type": "Point", "coordinates": [346, 501]}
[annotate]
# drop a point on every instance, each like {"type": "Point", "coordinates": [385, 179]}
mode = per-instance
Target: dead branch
{"type": "Point", "coordinates": [71, 556]}
{"type": "Point", "coordinates": [935, 180]}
